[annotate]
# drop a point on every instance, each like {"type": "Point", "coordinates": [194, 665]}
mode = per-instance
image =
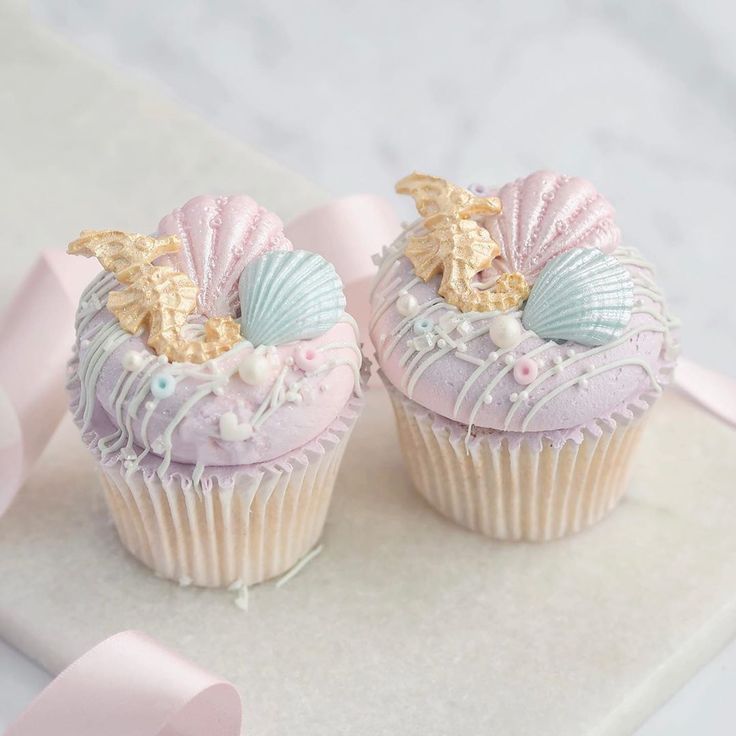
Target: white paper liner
{"type": "Point", "coordinates": [515, 490]}
{"type": "Point", "coordinates": [243, 524]}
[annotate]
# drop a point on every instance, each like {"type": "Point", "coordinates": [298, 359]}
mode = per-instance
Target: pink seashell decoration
{"type": "Point", "coordinates": [219, 237]}
{"type": "Point", "coordinates": [547, 214]}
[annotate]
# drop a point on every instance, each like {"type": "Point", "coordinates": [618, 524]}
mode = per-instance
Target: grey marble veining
{"type": "Point", "coordinates": [638, 97]}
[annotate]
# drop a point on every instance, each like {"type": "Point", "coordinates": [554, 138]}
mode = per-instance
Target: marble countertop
{"type": "Point", "coordinates": [638, 97]}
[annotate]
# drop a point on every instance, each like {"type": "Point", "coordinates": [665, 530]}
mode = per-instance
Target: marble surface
{"type": "Point", "coordinates": [405, 622]}
{"type": "Point", "coordinates": [358, 160]}
{"type": "Point", "coordinates": [638, 97]}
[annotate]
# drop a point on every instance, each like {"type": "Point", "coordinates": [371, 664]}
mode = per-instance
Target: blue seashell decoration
{"type": "Point", "coordinates": [287, 296]}
{"type": "Point", "coordinates": [583, 295]}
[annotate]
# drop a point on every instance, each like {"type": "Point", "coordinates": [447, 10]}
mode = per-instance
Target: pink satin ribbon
{"type": "Point", "coordinates": [36, 335]}
{"type": "Point", "coordinates": [712, 390]}
{"type": "Point", "coordinates": [347, 232]}
{"type": "Point", "coordinates": [129, 685]}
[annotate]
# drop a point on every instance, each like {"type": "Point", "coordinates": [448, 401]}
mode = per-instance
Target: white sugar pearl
{"type": "Point", "coordinates": [509, 359]}
{"type": "Point", "coordinates": [488, 399]}
{"type": "Point", "coordinates": [132, 361]}
{"type": "Point", "coordinates": [407, 305]}
{"type": "Point", "coordinates": [505, 331]}
{"type": "Point", "coordinates": [254, 369]}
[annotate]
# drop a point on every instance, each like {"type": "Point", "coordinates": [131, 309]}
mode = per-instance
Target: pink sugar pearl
{"type": "Point", "coordinates": [308, 359]}
{"type": "Point", "coordinates": [525, 371]}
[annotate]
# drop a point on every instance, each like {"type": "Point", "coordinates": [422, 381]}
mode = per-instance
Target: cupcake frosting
{"type": "Point", "coordinates": [254, 402]}
{"type": "Point", "coordinates": [588, 337]}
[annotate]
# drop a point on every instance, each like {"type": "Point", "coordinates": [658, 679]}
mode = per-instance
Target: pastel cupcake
{"type": "Point", "coordinates": [522, 346]}
{"type": "Point", "coordinates": [216, 379]}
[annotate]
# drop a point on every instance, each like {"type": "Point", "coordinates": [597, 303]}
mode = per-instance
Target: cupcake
{"type": "Point", "coordinates": [216, 379]}
{"type": "Point", "coordinates": [522, 345]}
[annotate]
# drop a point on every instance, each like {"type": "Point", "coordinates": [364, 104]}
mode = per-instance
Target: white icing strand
{"type": "Point", "coordinates": [420, 355]}
{"type": "Point", "coordinates": [603, 369]}
{"type": "Point", "coordinates": [577, 357]}
{"type": "Point", "coordinates": [350, 320]}
{"type": "Point", "coordinates": [493, 358]}
{"type": "Point", "coordinates": [388, 301]}
{"type": "Point", "coordinates": [439, 354]}
{"type": "Point", "coordinates": [405, 325]}
{"type": "Point", "coordinates": [492, 385]}
{"type": "Point", "coordinates": [299, 566]}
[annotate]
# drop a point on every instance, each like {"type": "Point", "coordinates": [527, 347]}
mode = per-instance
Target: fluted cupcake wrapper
{"type": "Point", "coordinates": [243, 524]}
{"type": "Point", "coordinates": [511, 489]}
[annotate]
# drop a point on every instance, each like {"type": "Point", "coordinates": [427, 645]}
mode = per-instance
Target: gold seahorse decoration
{"type": "Point", "coordinates": [158, 298]}
{"type": "Point", "coordinates": [457, 246]}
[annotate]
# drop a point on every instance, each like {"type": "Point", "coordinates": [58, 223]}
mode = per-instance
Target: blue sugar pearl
{"type": "Point", "coordinates": [423, 325]}
{"type": "Point", "coordinates": [163, 385]}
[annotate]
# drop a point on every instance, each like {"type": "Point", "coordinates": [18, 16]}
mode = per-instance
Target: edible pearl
{"type": "Point", "coordinates": [505, 331]}
{"type": "Point", "coordinates": [525, 371]}
{"type": "Point", "coordinates": [163, 385]}
{"type": "Point", "coordinates": [488, 399]}
{"type": "Point", "coordinates": [132, 361]}
{"type": "Point", "coordinates": [407, 305]}
{"type": "Point", "coordinates": [254, 369]}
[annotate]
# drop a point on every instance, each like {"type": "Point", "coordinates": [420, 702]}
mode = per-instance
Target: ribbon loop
{"type": "Point", "coordinates": [130, 684]}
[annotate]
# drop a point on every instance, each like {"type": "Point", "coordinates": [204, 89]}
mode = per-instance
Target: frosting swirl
{"type": "Point", "coordinates": [251, 404]}
{"type": "Point", "coordinates": [487, 369]}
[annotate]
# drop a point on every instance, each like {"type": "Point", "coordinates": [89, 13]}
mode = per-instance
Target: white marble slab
{"type": "Point", "coordinates": [403, 618]}
{"type": "Point", "coordinates": [405, 622]}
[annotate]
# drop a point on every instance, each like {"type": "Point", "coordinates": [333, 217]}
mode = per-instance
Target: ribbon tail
{"type": "Point", "coordinates": [713, 391]}
{"type": "Point", "coordinates": [130, 684]}
{"type": "Point", "coordinates": [36, 335]}
{"type": "Point", "coordinates": [347, 232]}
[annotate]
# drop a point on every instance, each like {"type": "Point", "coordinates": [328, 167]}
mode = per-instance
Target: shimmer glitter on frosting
{"type": "Point", "coordinates": [250, 405]}
{"type": "Point", "coordinates": [466, 377]}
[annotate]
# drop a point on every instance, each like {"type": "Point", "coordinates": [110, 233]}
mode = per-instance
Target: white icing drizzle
{"type": "Point", "coordinates": [603, 369]}
{"type": "Point", "coordinates": [416, 361]}
{"type": "Point", "coordinates": [489, 388]}
{"type": "Point", "coordinates": [132, 388]}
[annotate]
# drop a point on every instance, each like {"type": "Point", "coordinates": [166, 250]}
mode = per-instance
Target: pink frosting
{"type": "Point", "coordinates": [196, 438]}
{"type": "Point", "coordinates": [219, 237]}
{"type": "Point", "coordinates": [574, 384]}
